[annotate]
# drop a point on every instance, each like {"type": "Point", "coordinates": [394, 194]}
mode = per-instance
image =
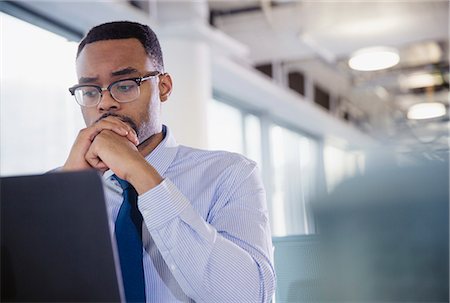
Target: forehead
{"type": "Point", "coordinates": [103, 57]}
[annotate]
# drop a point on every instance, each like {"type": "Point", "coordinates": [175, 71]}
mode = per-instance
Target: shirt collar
{"type": "Point", "coordinates": [162, 156]}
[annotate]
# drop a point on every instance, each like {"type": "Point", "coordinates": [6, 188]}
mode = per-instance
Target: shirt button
{"type": "Point", "coordinates": [172, 267]}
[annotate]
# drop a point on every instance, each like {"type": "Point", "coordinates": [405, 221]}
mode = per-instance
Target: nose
{"type": "Point", "coordinates": [107, 102]}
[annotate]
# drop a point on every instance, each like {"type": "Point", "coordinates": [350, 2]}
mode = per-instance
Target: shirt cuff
{"type": "Point", "coordinates": [161, 204]}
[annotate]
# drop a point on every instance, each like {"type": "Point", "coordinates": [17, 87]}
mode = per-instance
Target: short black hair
{"type": "Point", "coordinates": [124, 30]}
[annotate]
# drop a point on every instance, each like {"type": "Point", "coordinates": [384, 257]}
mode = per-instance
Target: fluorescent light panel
{"type": "Point", "coordinates": [426, 110]}
{"type": "Point", "coordinates": [374, 58]}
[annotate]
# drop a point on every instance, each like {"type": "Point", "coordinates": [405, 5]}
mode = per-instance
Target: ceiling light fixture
{"type": "Point", "coordinates": [419, 80]}
{"type": "Point", "coordinates": [374, 58]}
{"type": "Point", "coordinates": [426, 110]}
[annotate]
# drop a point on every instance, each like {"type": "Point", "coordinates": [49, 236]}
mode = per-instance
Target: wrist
{"type": "Point", "coordinates": [143, 176]}
{"type": "Point", "coordinates": [74, 167]}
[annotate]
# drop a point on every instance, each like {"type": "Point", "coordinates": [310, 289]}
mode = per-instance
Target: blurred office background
{"type": "Point", "coordinates": [279, 81]}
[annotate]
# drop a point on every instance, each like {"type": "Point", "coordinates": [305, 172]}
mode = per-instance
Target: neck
{"type": "Point", "coordinates": [149, 144]}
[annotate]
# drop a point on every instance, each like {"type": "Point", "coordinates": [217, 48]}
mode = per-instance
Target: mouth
{"type": "Point", "coordinates": [123, 118]}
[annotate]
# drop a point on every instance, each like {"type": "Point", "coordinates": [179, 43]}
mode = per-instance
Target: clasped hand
{"type": "Point", "coordinates": [112, 144]}
{"type": "Point", "coordinates": [107, 144]}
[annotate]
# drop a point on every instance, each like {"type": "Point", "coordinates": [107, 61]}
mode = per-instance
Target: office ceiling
{"type": "Point", "coordinates": [318, 37]}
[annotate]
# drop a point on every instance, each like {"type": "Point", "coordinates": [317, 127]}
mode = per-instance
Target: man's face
{"type": "Point", "coordinates": [103, 62]}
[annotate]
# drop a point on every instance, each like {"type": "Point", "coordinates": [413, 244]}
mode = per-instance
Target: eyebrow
{"type": "Point", "coordinates": [125, 71]}
{"type": "Point", "coordinates": [121, 72]}
{"type": "Point", "coordinates": [86, 80]}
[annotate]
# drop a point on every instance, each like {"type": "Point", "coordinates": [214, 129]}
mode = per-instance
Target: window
{"type": "Point", "coordinates": [266, 69]}
{"type": "Point", "coordinates": [297, 82]}
{"type": "Point", "coordinates": [39, 118]}
{"type": "Point", "coordinates": [294, 170]}
{"type": "Point", "coordinates": [253, 139]}
{"type": "Point", "coordinates": [340, 164]}
{"type": "Point", "coordinates": [289, 165]}
{"type": "Point", "coordinates": [225, 127]}
{"type": "Point", "coordinates": [321, 97]}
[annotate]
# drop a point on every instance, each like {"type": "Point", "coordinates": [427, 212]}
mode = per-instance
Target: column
{"type": "Point", "coordinates": [187, 57]}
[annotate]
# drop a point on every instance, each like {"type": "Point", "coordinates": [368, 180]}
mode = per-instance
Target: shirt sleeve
{"type": "Point", "coordinates": [226, 258]}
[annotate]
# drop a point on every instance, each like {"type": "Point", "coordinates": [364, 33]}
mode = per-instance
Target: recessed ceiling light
{"type": "Point", "coordinates": [426, 110]}
{"type": "Point", "coordinates": [374, 58]}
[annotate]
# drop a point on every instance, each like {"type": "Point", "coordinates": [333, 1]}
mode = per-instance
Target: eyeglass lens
{"type": "Point", "coordinates": [122, 91]}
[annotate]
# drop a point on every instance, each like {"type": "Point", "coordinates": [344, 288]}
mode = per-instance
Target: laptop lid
{"type": "Point", "coordinates": [55, 241]}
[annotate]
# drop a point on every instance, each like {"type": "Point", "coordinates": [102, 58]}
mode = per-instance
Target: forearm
{"type": "Point", "coordinates": [213, 270]}
{"type": "Point", "coordinates": [209, 265]}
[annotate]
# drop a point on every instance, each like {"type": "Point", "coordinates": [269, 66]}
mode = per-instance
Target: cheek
{"type": "Point", "coordinates": [145, 114]}
{"type": "Point", "coordinates": [87, 116]}
{"type": "Point", "coordinates": [150, 110]}
{"type": "Point", "coordinates": [154, 108]}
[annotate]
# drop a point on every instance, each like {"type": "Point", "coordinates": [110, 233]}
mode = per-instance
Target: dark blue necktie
{"type": "Point", "coordinates": [129, 243]}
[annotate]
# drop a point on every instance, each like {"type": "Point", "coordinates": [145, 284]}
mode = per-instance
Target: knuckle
{"type": "Point", "coordinates": [104, 134]}
{"type": "Point", "coordinates": [110, 119]}
{"type": "Point", "coordinates": [107, 132]}
{"type": "Point", "coordinates": [85, 132]}
{"type": "Point", "coordinates": [82, 131]}
{"type": "Point", "coordinates": [101, 124]}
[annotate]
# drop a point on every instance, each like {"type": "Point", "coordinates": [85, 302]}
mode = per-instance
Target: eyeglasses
{"type": "Point", "coordinates": [125, 90]}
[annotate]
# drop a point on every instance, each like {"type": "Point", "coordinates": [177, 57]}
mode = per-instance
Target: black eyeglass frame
{"type": "Point", "coordinates": [100, 89]}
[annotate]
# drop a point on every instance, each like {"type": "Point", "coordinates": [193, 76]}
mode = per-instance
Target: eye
{"type": "Point", "coordinates": [90, 93]}
{"type": "Point", "coordinates": [87, 92]}
{"type": "Point", "coordinates": [125, 86]}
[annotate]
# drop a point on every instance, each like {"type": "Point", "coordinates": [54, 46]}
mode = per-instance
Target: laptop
{"type": "Point", "coordinates": [55, 240]}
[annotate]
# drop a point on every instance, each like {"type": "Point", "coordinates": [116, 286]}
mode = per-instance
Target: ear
{"type": "Point", "coordinates": [165, 87]}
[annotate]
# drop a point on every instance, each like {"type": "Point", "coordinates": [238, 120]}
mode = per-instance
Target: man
{"type": "Point", "coordinates": [205, 230]}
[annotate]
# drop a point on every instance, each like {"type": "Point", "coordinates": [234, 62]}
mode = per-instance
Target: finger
{"type": "Point", "coordinates": [101, 165]}
{"type": "Point", "coordinates": [115, 125]}
{"type": "Point", "coordinates": [133, 137]}
{"type": "Point", "coordinates": [93, 159]}
{"type": "Point", "coordinates": [123, 128]}
{"type": "Point", "coordinates": [97, 163]}
{"type": "Point", "coordinates": [131, 134]}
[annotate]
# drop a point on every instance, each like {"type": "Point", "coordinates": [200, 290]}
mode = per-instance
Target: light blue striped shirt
{"type": "Point", "coordinates": [206, 233]}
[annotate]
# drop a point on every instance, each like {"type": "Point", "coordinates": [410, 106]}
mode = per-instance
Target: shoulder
{"type": "Point", "coordinates": [219, 156]}
{"type": "Point", "coordinates": [221, 162]}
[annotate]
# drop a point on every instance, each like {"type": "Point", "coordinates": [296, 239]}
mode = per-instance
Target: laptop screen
{"type": "Point", "coordinates": [55, 241]}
